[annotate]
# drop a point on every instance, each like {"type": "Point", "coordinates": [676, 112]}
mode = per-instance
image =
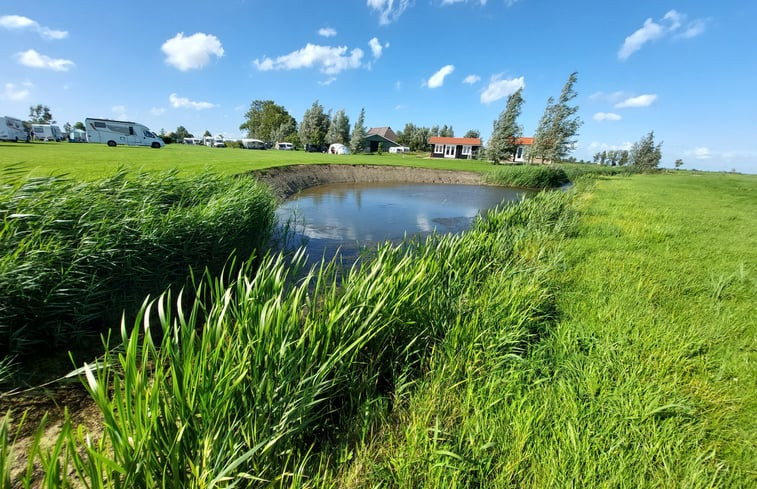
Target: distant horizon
{"type": "Point", "coordinates": [679, 68]}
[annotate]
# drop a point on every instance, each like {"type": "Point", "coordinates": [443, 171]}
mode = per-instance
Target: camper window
{"type": "Point", "coordinates": [100, 125]}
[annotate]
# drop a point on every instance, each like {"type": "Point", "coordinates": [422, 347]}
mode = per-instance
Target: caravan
{"type": "Point", "coordinates": [114, 133]}
{"type": "Point", "coordinates": [47, 132]}
{"type": "Point", "coordinates": [12, 129]}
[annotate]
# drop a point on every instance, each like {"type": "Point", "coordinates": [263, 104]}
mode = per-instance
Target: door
{"type": "Point", "coordinates": [449, 150]}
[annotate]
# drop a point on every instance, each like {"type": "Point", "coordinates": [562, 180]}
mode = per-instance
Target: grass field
{"type": "Point", "coordinates": [91, 161]}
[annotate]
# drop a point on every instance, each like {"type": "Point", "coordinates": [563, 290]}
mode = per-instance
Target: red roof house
{"type": "Point", "coordinates": [454, 148]}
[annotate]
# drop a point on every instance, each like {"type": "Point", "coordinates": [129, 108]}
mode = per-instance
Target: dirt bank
{"type": "Point", "coordinates": [288, 180]}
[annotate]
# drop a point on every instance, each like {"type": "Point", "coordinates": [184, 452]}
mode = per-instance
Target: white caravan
{"type": "Point", "coordinates": [47, 132]}
{"type": "Point", "coordinates": [114, 133]}
{"type": "Point", "coordinates": [12, 129]}
{"type": "Point", "coordinates": [253, 144]}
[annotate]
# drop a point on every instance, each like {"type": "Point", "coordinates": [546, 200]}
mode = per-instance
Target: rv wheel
{"type": "Point", "coordinates": [111, 143]}
{"type": "Point", "coordinates": [155, 145]}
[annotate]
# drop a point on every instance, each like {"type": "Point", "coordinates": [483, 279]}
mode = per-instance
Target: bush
{"type": "Point", "coordinates": [528, 176]}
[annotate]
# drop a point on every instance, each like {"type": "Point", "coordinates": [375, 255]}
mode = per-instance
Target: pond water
{"type": "Point", "coordinates": [347, 217]}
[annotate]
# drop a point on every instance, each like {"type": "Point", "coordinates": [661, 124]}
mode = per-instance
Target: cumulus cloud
{"type": "Point", "coordinates": [327, 32]}
{"type": "Point", "coordinates": [33, 59]}
{"type": "Point", "coordinates": [437, 79]}
{"type": "Point", "coordinates": [328, 81]}
{"type": "Point", "coordinates": [376, 48]}
{"type": "Point", "coordinates": [21, 22]}
{"type": "Point", "coordinates": [192, 52]}
{"type": "Point", "coordinates": [184, 103]}
{"type": "Point", "coordinates": [670, 23]}
{"type": "Point", "coordinates": [389, 10]}
{"type": "Point", "coordinates": [599, 146]}
{"type": "Point", "coordinates": [15, 93]}
{"type": "Point", "coordinates": [482, 2]}
{"type": "Point", "coordinates": [330, 60]}
{"type": "Point", "coordinates": [606, 116]}
{"type": "Point", "coordinates": [640, 101]}
{"type": "Point", "coordinates": [472, 79]}
{"type": "Point", "coordinates": [499, 88]}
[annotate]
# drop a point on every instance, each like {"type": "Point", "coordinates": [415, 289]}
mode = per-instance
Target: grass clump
{"type": "Point", "coordinates": [528, 176]}
{"type": "Point", "coordinates": [74, 254]}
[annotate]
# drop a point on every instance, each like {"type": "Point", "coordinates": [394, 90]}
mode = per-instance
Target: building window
{"type": "Point", "coordinates": [466, 150]}
{"type": "Point", "coordinates": [438, 149]}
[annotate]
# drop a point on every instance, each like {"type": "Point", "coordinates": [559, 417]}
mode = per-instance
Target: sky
{"type": "Point", "coordinates": [686, 69]}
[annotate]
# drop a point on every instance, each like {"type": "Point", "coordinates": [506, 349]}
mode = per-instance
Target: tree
{"type": "Point", "coordinates": [206, 134]}
{"type": "Point", "coordinates": [556, 134]}
{"type": "Point", "coordinates": [314, 126]}
{"type": "Point", "coordinates": [265, 118]}
{"type": "Point", "coordinates": [505, 131]}
{"type": "Point", "coordinates": [473, 133]}
{"type": "Point", "coordinates": [447, 132]}
{"type": "Point", "coordinates": [40, 114]}
{"type": "Point", "coordinates": [644, 154]}
{"type": "Point", "coordinates": [357, 142]}
{"type": "Point", "coordinates": [67, 127]}
{"type": "Point", "coordinates": [287, 131]}
{"type": "Point", "coordinates": [679, 163]}
{"type": "Point", "coordinates": [339, 131]}
{"type": "Point", "coordinates": [181, 133]}
{"type": "Point", "coordinates": [80, 126]}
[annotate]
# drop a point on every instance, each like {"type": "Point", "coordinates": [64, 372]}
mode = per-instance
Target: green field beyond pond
{"type": "Point", "coordinates": [601, 337]}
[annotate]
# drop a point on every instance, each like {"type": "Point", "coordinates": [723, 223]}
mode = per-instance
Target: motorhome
{"type": "Point", "coordinates": [12, 129]}
{"type": "Point", "coordinates": [192, 141]}
{"type": "Point", "coordinates": [114, 133]}
{"type": "Point", "coordinates": [253, 144]}
{"type": "Point", "coordinates": [285, 146]}
{"type": "Point", "coordinates": [47, 132]}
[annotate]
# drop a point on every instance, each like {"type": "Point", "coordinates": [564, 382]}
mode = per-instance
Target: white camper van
{"type": "Point", "coordinates": [114, 133]}
{"type": "Point", "coordinates": [253, 144]}
{"type": "Point", "coordinates": [12, 129]}
{"type": "Point", "coordinates": [47, 132]}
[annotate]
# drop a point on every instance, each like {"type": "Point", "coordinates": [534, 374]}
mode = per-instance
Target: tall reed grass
{"type": "Point", "coordinates": [270, 378]}
{"type": "Point", "coordinates": [528, 176]}
{"type": "Point", "coordinates": [73, 255]}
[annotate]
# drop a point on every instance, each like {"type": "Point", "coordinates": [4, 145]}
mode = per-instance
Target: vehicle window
{"type": "Point", "coordinates": [100, 125]}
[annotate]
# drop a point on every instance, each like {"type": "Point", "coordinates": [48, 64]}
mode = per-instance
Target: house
{"type": "Point", "coordinates": [457, 148]}
{"type": "Point", "coordinates": [524, 144]}
{"type": "Point", "coordinates": [380, 135]}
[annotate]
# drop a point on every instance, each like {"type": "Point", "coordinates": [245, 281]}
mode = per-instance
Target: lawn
{"type": "Point", "coordinates": [91, 161]}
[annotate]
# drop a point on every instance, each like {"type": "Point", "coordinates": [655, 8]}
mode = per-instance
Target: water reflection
{"type": "Point", "coordinates": [351, 216]}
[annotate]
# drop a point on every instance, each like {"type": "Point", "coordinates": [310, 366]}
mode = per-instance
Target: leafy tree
{"type": "Point", "coordinates": [79, 126]}
{"type": "Point", "coordinates": [644, 154]}
{"type": "Point", "coordinates": [506, 130]}
{"type": "Point", "coordinates": [556, 134]}
{"type": "Point", "coordinates": [264, 118]}
{"type": "Point", "coordinates": [357, 142]}
{"type": "Point", "coordinates": [447, 132]}
{"type": "Point", "coordinates": [181, 133]}
{"type": "Point", "coordinates": [315, 125]}
{"type": "Point", "coordinates": [206, 134]}
{"type": "Point", "coordinates": [287, 131]}
{"type": "Point", "coordinates": [473, 133]}
{"type": "Point", "coordinates": [679, 163]}
{"type": "Point", "coordinates": [339, 131]}
{"type": "Point", "coordinates": [67, 127]}
{"type": "Point", "coordinates": [40, 114]}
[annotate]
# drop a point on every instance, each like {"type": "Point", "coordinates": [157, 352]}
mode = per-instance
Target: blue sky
{"type": "Point", "coordinates": [685, 69]}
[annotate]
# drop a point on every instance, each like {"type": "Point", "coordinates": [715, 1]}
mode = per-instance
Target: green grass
{"type": "Point", "coordinates": [92, 161]}
{"type": "Point", "coordinates": [528, 176]}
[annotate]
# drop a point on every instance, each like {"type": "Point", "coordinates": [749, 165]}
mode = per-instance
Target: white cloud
{"type": "Point", "coordinates": [472, 79]}
{"type": "Point", "coordinates": [597, 146]}
{"type": "Point", "coordinates": [651, 30]}
{"type": "Point", "coordinates": [640, 101]}
{"type": "Point", "coordinates": [156, 111]}
{"type": "Point", "coordinates": [612, 98]}
{"type": "Point", "coordinates": [33, 59]}
{"type": "Point", "coordinates": [119, 112]}
{"type": "Point", "coordinates": [376, 47]}
{"type": "Point", "coordinates": [437, 79]}
{"type": "Point", "coordinates": [606, 116]}
{"type": "Point", "coordinates": [330, 60]}
{"type": "Point", "coordinates": [398, 85]}
{"type": "Point", "coordinates": [13, 92]}
{"type": "Point", "coordinates": [389, 10]}
{"type": "Point", "coordinates": [701, 153]}
{"type": "Point", "coordinates": [20, 22]}
{"type": "Point", "coordinates": [192, 52]}
{"type": "Point", "coordinates": [482, 2]}
{"type": "Point", "coordinates": [327, 32]}
{"type": "Point", "coordinates": [184, 103]}
{"type": "Point", "coordinates": [328, 81]}
{"type": "Point", "coordinates": [498, 88]}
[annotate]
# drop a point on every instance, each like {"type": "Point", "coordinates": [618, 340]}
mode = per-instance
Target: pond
{"type": "Point", "coordinates": [346, 217]}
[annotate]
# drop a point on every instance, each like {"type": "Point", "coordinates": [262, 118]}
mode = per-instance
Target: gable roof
{"type": "Point", "coordinates": [524, 141]}
{"type": "Point", "coordinates": [384, 132]}
{"type": "Point", "coordinates": [464, 141]}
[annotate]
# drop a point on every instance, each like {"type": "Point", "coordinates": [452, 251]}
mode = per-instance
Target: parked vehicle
{"type": "Point", "coordinates": [12, 129]}
{"type": "Point", "coordinates": [77, 136]}
{"type": "Point", "coordinates": [114, 133]}
{"type": "Point", "coordinates": [192, 141]}
{"type": "Point", "coordinates": [399, 149]}
{"type": "Point", "coordinates": [47, 132]}
{"type": "Point", "coordinates": [253, 144]}
{"type": "Point", "coordinates": [339, 149]}
{"type": "Point", "coordinates": [316, 148]}
{"type": "Point", "coordinates": [285, 146]}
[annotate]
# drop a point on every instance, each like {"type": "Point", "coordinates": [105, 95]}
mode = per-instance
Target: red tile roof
{"type": "Point", "coordinates": [465, 141]}
{"type": "Point", "coordinates": [524, 141]}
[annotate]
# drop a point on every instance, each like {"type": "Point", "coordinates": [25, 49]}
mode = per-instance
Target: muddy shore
{"type": "Point", "coordinates": [288, 180]}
